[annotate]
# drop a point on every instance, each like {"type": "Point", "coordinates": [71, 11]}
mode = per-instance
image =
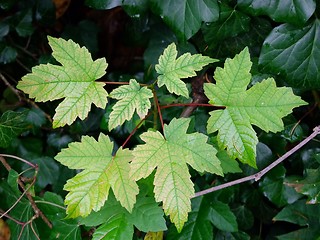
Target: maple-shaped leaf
{"type": "Point", "coordinates": [89, 189]}
{"type": "Point", "coordinates": [263, 105]}
{"type": "Point", "coordinates": [74, 81]}
{"type": "Point", "coordinates": [171, 69]}
{"type": "Point", "coordinates": [170, 154]}
{"type": "Point", "coordinates": [131, 98]}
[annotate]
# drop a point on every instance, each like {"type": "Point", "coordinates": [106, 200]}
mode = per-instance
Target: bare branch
{"type": "Point", "coordinates": [258, 175]}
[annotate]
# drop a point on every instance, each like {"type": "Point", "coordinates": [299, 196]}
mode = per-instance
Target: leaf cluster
{"type": "Point", "coordinates": [109, 132]}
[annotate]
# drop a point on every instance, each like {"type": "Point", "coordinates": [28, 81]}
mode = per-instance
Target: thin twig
{"type": "Point", "coordinates": [26, 192]}
{"type": "Point", "coordinates": [258, 175]}
{"type": "Point", "coordinates": [6, 82]}
{"type": "Point", "coordinates": [18, 158]}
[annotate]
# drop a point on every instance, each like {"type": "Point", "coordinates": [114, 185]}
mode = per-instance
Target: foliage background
{"type": "Point", "coordinates": [283, 39]}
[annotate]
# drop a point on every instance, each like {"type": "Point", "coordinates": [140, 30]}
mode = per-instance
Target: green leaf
{"type": "Point", "coordinates": [171, 69]}
{"type": "Point", "coordinates": [275, 190]}
{"type": "Point", "coordinates": [11, 125]}
{"type": "Point", "coordinates": [306, 215]}
{"type": "Point", "coordinates": [117, 222]}
{"type": "Point", "coordinates": [231, 23]}
{"type": "Point", "coordinates": [222, 217]}
{"type": "Point", "coordinates": [185, 16]}
{"type": "Point", "coordinates": [170, 154]}
{"type": "Point", "coordinates": [7, 54]}
{"type": "Point", "coordinates": [52, 206]}
{"type": "Point", "coordinates": [293, 53]}
{"type": "Point", "coordinates": [262, 105]}
{"type": "Point", "coordinates": [103, 4]}
{"type": "Point", "coordinates": [135, 7]}
{"type": "Point", "coordinates": [115, 227]}
{"type": "Point", "coordinates": [23, 22]}
{"type": "Point", "coordinates": [89, 189]}
{"type": "Point", "coordinates": [198, 226]}
{"type": "Point", "coordinates": [48, 170]}
{"type": "Point", "coordinates": [295, 12]}
{"type": "Point", "coordinates": [74, 81]}
{"type": "Point", "coordinates": [309, 186]}
{"type": "Point", "coordinates": [131, 98]}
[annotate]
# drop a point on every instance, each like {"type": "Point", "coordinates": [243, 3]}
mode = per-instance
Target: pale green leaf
{"type": "Point", "coordinates": [171, 69]}
{"type": "Point", "coordinates": [131, 98]}
{"type": "Point", "coordinates": [263, 105]}
{"type": "Point", "coordinates": [74, 81]}
{"type": "Point", "coordinates": [89, 189]}
{"type": "Point", "coordinates": [170, 154]}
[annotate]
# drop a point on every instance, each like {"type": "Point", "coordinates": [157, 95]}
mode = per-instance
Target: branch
{"type": "Point", "coordinates": [26, 192]}
{"type": "Point", "coordinates": [258, 175]}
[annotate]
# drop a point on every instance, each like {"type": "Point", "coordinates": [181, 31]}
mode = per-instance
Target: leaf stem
{"type": "Point", "coordinates": [156, 102]}
{"type": "Point", "coordinates": [258, 175]}
{"type": "Point", "coordinates": [135, 129]}
{"type": "Point", "coordinates": [191, 104]}
{"type": "Point", "coordinates": [122, 83]}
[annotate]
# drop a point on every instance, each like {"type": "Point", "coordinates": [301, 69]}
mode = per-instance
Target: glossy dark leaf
{"type": "Point", "coordinates": [146, 216]}
{"type": "Point", "coordinates": [103, 4]}
{"type": "Point", "coordinates": [302, 214]}
{"type": "Point", "coordinates": [275, 190]}
{"type": "Point", "coordinates": [7, 54]}
{"type": "Point", "coordinates": [36, 117]}
{"type": "Point", "coordinates": [52, 206]}
{"type": "Point", "coordinates": [309, 186]}
{"type": "Point", "coordinates": [294, 54]}
{"type": "Point", "coordinates": [290, 11]}
{"type": "Point", "coordinates": [184, 17]}
{"type": "Point", "coordinates": [4, 28]}
{"type": "Point", "coordinates": [135, 7]}
{"type": "Point", "coordinates": [222, 217]}
{"type": "Point", "coordinates": [23, 23]}
{"type": "Point", "coordinates": [231, 23]}
{"type": "Point", "coordinates": [11, 125]}
{"type": "Point", "coordinates": [244, 217]}
{"type": "Point", "coordinates": [48, 171]}
{"type": "Point", "coordinates": [198, 226]}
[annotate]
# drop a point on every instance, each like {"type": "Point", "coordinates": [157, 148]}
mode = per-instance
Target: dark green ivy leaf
{"type": "Point", "coordinates": [302, 214]}
{"type": "Point", "coordinates": [7, 54]}
{"type": "Point", "coordinates": [289, 11]}
{"type": "Point", "coordinates": [184, 17]}
{"type": "Point", "coordinates": [23, 23]}
{"type": "Point", "coordinates": [198, 226]}
{"type": "Point", "coordinates": [11, 125]}
{"type": "Point", "coordinates": [231, 22]}
{"type": "Point", "coordinates": [222, 217]}
{"type": "Point", "coordinates": [294, 53]}
{"type": "Point", "coordinates": [103, 4]}
{"type": "Point", "coordinates": [275, 190]}
{"type": "Point", "coordinates": [309, 186]}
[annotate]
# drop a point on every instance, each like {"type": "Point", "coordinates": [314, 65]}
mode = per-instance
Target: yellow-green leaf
{"type": "Point", "coordinates": [263, 105]}
{"type": "Point", "coordinates": [74, 81]}
{"type": "Point", "coordinates": [131, 98]}
{"type": "Point", "coordinates": [89, 189]}
{"type": "Point", "coordinates": [170, 154]}
{"type": "Point", "coordinates": [171, 69]}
